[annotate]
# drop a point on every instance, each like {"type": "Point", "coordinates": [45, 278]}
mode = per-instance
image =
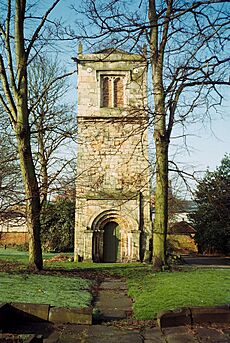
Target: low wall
{"type": "Point", "coordinates": [194, 315]}
{"type": "Point", "coordinates": [13, 238]}
{"type": "Point", "coordinates": [26, 313]}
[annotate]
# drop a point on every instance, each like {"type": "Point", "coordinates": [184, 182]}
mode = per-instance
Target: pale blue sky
{"type": "Point", "coordinates": [211, 143]}
{"type": "Point", "coordinates": [206, 143]}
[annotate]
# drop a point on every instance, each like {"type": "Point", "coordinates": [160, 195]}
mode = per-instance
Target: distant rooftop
{"type": "Point", "coordinates": [182, 228]}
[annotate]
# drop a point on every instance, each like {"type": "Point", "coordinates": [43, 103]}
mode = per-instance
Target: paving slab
{"type": "Point", "coordinates": [180, 334]}
{"type": "Point", "coordinates": [96, 334]}
{"type": "Point", "coordinates": [211, 335]}
{"type": "Point", "coordinates": [112, 301]}
{"type": "Point", "coordinates": [113, 285]}
{"type": "Point", "coordinates": [153, 335]}
{"type": "Point", "coordinates": [108, 299]}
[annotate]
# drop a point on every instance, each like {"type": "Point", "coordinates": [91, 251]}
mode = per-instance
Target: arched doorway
{"type": "Point", "coordinates": [110, 242]}
{"type": "Point", "coordinates": [115, 237]}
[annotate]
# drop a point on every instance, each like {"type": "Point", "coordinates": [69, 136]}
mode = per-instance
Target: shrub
{"type": "Point", "coordinates": [212, 216]}
{"type": "Point", "coordinates": [57, 226]}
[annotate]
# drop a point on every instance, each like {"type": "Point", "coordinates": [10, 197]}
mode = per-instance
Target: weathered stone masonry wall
{"type": "Point", "coordinates": [112, 168]}
{"type": "Point", "coordinates": [112, 158]}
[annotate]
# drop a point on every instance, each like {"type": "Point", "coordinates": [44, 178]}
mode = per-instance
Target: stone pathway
{"type": "Point", "coordinates": [113, 304]}
{"type": "Point", "coordinates": [113, 324]}
{"type": "Point", "coordinates": [112, 301]}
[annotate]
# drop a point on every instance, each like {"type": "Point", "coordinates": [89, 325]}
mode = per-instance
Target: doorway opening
{"type": "Point", "coordinates": [110, 242]}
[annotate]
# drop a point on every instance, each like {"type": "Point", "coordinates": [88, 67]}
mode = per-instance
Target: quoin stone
{"type": "Point", "coordinates": [113, 176]}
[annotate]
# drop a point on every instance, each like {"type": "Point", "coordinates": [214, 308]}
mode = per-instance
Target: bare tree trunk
{"type": "Point", "coordinates": [161, 202]}
{"type": "Point", "coordinates": [31, 192]}
{"type": "Point", "coordinates": [15, 55]}
{"type": "Point", "coordinates": [161, 136]}
{"type": "Point", "coordinates": [161, 191]}
{"type": "Point", "coordinates": [43, 161]}
{"type": "Point", "coordinates": [22, 130]}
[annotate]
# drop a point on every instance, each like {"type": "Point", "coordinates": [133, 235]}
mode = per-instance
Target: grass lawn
{"type": "Point", "coordinates": [155, 292]}
{"type": "Point", "coordinates": [13, 255]}
{"type": "Point", "coordinates": [44, 289]}
{"type": "Point", "coordinates": [152, 292]}
{"type": "Point", "coordinates": [41, 289]}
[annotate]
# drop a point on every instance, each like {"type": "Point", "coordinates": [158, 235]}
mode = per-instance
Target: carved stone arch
{"type": "Point", "coordinates": [121, 242]}
{"type": "Point", "coordinates": [98, 222]}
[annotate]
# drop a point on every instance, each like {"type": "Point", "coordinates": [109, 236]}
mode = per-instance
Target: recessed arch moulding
{"type": "Point", "coordinates": [133, 241]}
{"type": "Point", "coordinates": [127, 235]}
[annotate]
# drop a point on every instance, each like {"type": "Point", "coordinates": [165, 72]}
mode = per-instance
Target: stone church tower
{"type": "Point", "coordinates": [112, 186]}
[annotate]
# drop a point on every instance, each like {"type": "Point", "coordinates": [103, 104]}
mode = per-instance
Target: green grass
{"type": "Point", "coordinates": [14, 255]}
{"type": "Point", "coordinates": [167, 291]}
{"type": "Point", "coordinates": [45, 289]}
{"type": "Point", "coordinates": [152, 292]}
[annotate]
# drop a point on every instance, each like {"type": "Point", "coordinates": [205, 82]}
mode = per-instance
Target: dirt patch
{"type": "Point", "coordinates": [60, 258]}
{"type": "Point", "coordinates": [8, 266]}
{"type": "Point", "coordinates": [132, 324]}
{"type": "Point", "coordinates": [96, 275]}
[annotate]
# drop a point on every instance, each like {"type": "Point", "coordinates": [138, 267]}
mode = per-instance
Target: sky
{"type": "Point", "coordinates": [207, 142]}
{"type": "Point", "coordinates": [211, 143]}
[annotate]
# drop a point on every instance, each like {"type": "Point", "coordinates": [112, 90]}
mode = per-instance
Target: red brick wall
{"type": "Point", "coordinates": [13, 238]}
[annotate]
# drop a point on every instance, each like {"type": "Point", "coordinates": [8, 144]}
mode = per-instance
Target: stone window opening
{"type": "Point", "coordinates": [112, 91]}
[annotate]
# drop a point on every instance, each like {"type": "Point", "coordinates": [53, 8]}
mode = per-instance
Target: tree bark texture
{"type": "Point", "coordinates": [161, 203]}
{"type": "Point", "coordinates": [32, 197]}
{"type": "Point", "coordinates": [161, 138]}
{"type": "Point", "coordinates": [161, 190]}
{"type": "Point", "coordinates": [22, 130]}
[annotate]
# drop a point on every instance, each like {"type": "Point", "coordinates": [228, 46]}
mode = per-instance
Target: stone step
{"type": "Point", "coordinates": [112, 302]}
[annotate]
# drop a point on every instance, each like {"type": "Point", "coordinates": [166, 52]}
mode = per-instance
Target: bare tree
{"type": "Point", "coordinates": [53, 125]}
{"type": "Point", "coordinates": [23, 35]}
{"type": "Point", "coordinates": [11, 192]}
{"type": "Point", "coordinates": [188, 61]}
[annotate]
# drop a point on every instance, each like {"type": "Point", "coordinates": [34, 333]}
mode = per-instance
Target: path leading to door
{"type": "Point", "coordinates": [112, 307]}
{"type": "Point", "coordinates": [112, 301]}
{"type": "Point", "coordinates": [112, 304]}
